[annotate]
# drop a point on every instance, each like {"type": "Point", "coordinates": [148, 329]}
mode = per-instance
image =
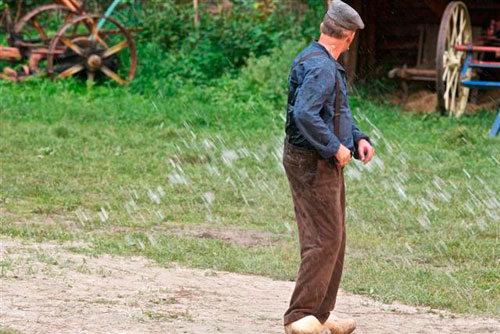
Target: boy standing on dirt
{"type": "Point", "coordinates": [321, 137]}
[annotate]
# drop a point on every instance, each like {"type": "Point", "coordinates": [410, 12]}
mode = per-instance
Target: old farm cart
{"type": "Point", "coordinates": [458, 59]}
{"type": "Point", "coordinates": [63, 40]}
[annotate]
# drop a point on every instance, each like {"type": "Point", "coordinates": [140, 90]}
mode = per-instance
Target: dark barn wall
{"type": "Point", "coordinates": [393, 30]}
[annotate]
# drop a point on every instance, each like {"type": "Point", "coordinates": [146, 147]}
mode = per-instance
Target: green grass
{"type": "Point", "coordinates": [8, 331]}
{"type": "Point", "coordinates": [108, 165]}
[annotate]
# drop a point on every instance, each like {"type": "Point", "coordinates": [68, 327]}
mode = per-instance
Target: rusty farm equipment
{"type": "Point", "coordinates": [460, 63]}
{"type": "Point", "coordinates": [64, 40]}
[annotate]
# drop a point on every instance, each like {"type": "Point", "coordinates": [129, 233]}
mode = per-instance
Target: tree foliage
{"type": "Point", "coordinates": [224, 40]}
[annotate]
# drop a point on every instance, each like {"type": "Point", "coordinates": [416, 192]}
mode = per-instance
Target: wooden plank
{"type": "Point", "coordinates": [6, 52]}
{"type": "Point", "coordinates": [371, 32]}
{"type": "Point", "coordinates": [388, 44]}
{"type": "Point", "coordinates": [351, 60]}
{"type": "Point", "coordinates": [411, 73]}
{"type": "Point", "coordinates": [430, 45]}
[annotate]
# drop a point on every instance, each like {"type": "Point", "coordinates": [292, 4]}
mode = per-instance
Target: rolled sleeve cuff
{"type": "Point", "coordinates": [330, 149]}
{"type": "Point", "coordinates": [360, 136]}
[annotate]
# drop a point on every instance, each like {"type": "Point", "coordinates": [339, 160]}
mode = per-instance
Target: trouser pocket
{"type": "Point", "coordinates": [301, 168]}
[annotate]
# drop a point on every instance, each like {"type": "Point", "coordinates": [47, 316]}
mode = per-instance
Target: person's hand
{"type": "Point", "coordinates": [343, 156]}
{"type": "Point", "coordinates": [365, 150]}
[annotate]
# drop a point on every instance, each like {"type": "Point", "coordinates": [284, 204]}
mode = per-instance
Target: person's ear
{"type": "Point", "coordinates": [321, 27]}
{"type": "Point", "coordinates": [350, 37]}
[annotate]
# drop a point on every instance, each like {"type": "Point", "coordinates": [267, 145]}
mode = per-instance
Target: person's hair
{"type": "Point", "coordinates": [330, 28]}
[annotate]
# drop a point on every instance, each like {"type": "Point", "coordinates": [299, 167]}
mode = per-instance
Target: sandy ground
{"type": "Point", "coordinates": [47, 289]}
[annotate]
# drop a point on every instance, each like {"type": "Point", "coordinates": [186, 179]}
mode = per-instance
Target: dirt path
{"type": "Point", "coordinates": [46, 289]}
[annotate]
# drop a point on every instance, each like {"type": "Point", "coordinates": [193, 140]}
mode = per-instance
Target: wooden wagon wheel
{"type": "Point", "coordinates": [455, 29]}
{"type": "Point", "coordinates": [35, 30]}
{"type": "Point", "coordinates": [41, 24]}
{"type": "Point", "coordinates": [95, 54]}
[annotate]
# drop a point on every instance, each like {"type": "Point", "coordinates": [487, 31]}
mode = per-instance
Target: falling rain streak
{"type": "Point", "coordinates": [246, 175]}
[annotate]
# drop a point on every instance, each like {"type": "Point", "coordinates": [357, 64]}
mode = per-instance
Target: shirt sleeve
{"type": "Point", "coordinates": [357, 135]}
{"type": "Point", "coordinates": [315, 90]}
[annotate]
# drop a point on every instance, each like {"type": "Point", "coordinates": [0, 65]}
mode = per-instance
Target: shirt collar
{"type": "Point", "coordinates": [338, 66]}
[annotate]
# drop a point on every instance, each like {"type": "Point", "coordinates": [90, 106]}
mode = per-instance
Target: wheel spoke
{"type": "Point", "coordinates": [454, 85]}
{"type": "Point", "coordinates": [68, 17]}
{"type": "Point", "coordinates": [449, 84]}
{"type": "Point", "coordinates": [446, 59]}
{"type": "Point", "coordinates": [90, 78]}
{"type": "Point", "coordinates": [38, 27]}
{"type": "Point", "coordinates": [115, 49]}
{"type": "Point", "coordinates": [447, 96]}
{"type": "Point", "coordinates": [71, 71]}
{"type": "Point", "coordinates": [445, 73]}
{"type": "Point", "coordinates": [453, 28]}
{"type": "Point", "coordinates": [113, 75]}
{"type": "Point", "coordinates": [462, 28]}
{"type": "Point", "coordinates": [72, 46]}
{"type": "Point", "coordinates": [464, 96]}
{"type": "Point", "coordinates": [454, 76]}
{"type": "Point", "coordinates": [463, 100]}
{"type": "Point", "coordinates": [94, 33]}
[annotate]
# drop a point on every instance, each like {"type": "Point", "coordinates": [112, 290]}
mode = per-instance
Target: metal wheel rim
{"type": "Point", "coordinates": [455, 29]}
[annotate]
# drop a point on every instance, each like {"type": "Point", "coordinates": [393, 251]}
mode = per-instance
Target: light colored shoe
{"type": "Point", "coordinates": [340, 326]}
{"type": "Point", "coordinates": [306, 325]}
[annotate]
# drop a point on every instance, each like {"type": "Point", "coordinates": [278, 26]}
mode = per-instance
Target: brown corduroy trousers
{"type": "Point", "coordinates": [318, 193]}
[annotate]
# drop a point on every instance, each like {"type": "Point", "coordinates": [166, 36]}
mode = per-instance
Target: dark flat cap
{"type": "Point", "coordinates": [345, 16]}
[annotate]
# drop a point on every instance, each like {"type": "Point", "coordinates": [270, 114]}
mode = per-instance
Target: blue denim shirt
{"type": "Point", "coordinates": [310, 119]}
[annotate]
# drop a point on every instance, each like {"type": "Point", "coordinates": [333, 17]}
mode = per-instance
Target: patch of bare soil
{"type": "Point", "coordinates": [245, 238]}
{"type": "Point", "coordinates": [47, 289]}
{"type": "Point", "coordinates": [425, 101]}
{"type": "Point", "coordinates": [237, 236]}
